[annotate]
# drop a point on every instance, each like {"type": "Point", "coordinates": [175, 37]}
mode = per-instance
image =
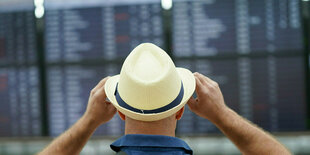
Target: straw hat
{"type": "Point", "coordinates": [150, 87]}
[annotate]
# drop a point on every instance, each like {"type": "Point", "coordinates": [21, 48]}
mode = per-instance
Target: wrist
{"type": "Point", "coordinates": [220, 114]}
{"type": "Point", "coordinates": [90, 121]}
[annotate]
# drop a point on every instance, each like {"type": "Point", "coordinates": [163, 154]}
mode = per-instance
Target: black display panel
{"type": "Point", "coordinates": [20, 112]}
{"type": "Point", "coordinates": [269, 91]}
{"type": "Point", "coordinates": [85, 42]}
{"type": "Point", "coordinates": [108, 30]}
{"type": "Point", "coordinates": [225, 27]}
{"type": "Point", "coordinates": [254, 50]}
{"type": "Point", "coordinates": [17, 37]}
{"type": "Point", "coordinates": [68, 92]}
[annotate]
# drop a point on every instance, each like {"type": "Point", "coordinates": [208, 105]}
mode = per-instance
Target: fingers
{"type": "Point", "coordinates": [205, 80]}
{"type": "Point", "coordinates": [101, 93]}
{"type": "Point", "coordinates": [108, 102]}
{"type": "Point", "coordinates": [200, 77]}
{"type": "Point", "coordinates": [111, 108]}
{"type": "Point", "coordinates": [99, 85]}
{"type": "Point", "coordinates": [192, 103]}
{"type": "Point", "coordinates": [199, 85]}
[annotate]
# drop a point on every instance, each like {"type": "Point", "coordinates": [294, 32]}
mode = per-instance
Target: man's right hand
{"type": "Point", "coordinates": [209, 103]}
{"type": "Point", "coordinates": [98, 109]}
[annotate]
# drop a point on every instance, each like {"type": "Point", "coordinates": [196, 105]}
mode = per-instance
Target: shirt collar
{"type": "Point", "coordinates": [139, 140]}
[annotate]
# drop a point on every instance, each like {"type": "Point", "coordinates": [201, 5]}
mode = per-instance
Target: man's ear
{"type": "Point", "coordinates": [179, 114]}
{"type": "Point", "coordinates": [121, 115]}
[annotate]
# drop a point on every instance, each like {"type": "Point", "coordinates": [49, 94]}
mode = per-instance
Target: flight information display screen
{"type": "Point", "coordinates": [107, 30]}
{"type": "Point", "coordinates": [254, 50]}
{"type": "Point", "coordinates": [84, 43]}
{"type": "Point", "coordinates": [17, 34]}
{"type": "Point", "coordinates": [268, 91]}
{"type": "Point", "coordinates": [20, 112]}
{"type": "Point", "coordinates": [68, 92]}
{"type": "Point", "coordinates": [219, 27]}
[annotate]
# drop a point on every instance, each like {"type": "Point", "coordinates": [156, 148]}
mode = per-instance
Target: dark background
{"type": "Point", "coordinates": [258, 51]}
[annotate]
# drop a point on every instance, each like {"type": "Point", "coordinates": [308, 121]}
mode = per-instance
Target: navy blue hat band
{"type": "Point", "coordinates": [171, 105]}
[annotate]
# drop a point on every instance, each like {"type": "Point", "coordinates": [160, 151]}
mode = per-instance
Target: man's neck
{"type": "Point", "coordinates": [163, 127]}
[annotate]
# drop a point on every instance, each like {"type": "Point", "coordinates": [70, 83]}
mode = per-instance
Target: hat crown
{"type": "Point", "coordinates": [147, 65]}
{"type": "Point", "coordinates": [148, 78]}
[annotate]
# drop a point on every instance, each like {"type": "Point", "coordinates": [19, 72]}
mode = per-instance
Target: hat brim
{"type": "Point", "coordinates": [189, 85]}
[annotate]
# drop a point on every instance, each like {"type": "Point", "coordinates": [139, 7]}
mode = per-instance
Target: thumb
{"type": "Point", "coordinates": [111, 107]}
{"type": "Point", "coordinates": [192, 103]}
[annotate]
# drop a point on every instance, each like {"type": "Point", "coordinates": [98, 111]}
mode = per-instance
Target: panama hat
{"type": "Point", "coordinates": [149, 86]}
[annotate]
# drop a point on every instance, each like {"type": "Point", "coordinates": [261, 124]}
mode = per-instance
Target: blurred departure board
{"type": "Point", "coordinates": [268, 91]}
{"type": "Point", "coordinates": [20, 111]}
{"type": "Point", "coordinates": [254, 50]}
{"type": "Point", "coordinates": [83, 44]}
{"type": "Point", "coordinates": [69, 88]}
{"type": "Point", "coordinates": [107, 30]}
{"type": "Point", "coordinates": [17, 37]}
{"type": "Point", "coordinates": [219, 27]}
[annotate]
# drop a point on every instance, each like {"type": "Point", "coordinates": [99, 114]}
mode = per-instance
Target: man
{"type": "Point", "coordinates": [149, 95]}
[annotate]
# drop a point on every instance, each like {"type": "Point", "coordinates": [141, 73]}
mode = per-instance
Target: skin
{"type": "Point", "coordinates": [165, 126]}
{"type": "Point", "coordinates": [98, 112]}
{"type": "Point", "coordinates": [209, 104]}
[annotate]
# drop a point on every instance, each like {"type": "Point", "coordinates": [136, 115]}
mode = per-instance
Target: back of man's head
{"type": "Point", "coordinates": [164, 126]}
{"type": "Point", "coordinates": [150, 92]}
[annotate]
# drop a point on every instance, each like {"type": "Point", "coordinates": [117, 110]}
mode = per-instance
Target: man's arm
{"type": "Point", "coordinates": [246, 136]}
{"type": "Point", "coordinates": [73, 140]}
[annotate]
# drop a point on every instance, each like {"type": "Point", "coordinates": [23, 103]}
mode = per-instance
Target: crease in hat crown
{"type": "Point", "coordinates": [148, 78]}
